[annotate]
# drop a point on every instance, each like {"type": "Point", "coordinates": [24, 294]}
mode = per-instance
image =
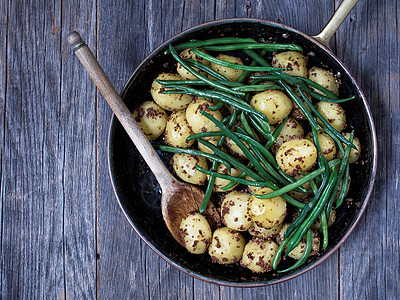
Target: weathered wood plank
{"type": "Point", "coordinates": [369, 260]}
{"type": "Point", "coordinates": [32, 160]}
{"type": "Point", "coordinates": [122, 259]}
{"type": "Point", "coordinates": [78, 130]}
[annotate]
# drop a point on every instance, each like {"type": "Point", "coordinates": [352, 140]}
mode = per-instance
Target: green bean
{"type": "Point", "coordinates": [275, 134]}
{"type": "Point", "coordinates": [314, 213]}
{"type": "Point", "coordinates": [262, 126]}
{"type": "Point", "coordinates": [304, 256]}
{"type": "Point", "coordinates": [205, 134]}
{"type": "Point", "coordinates": [233, 65]}
{"type": "Point", "coordinates": [198, 82]}
{"type": "Point", "coordinates": [231, 160]}
{"type": "Point", "coordinates": [271, 47]}
{"type": "Point", "coordinates": [325, 122]}
{"type": "Point", "coordinates": [307, 208]}
{"type": "Point", "coordinates": [196, 153]}
{"type": "Point", "coordinates": [300, 104]}
{"type": "Point", "coordinates": [315, 85]}
{"type": "Point", "coordinates": [246, 126]}
{"type": "Point", "coordinates": [265, 77]}
{"type": "Point", "coordinates": [217, 106]}
{"type": "Point", "coordinates": [232, 184]}
{"type": "Point", "coordinates": [238, 142]}
{"type": "Point", "coordinates": [288, 199]}
{"type": "Point", "coordinates": [208, 42]}
{"type": "Point", "coordinates": [342, 169]}
{"type": "Point", "coordinates": [245, 74]}
{"type": "Point", "coordinates": [313, 186]}
{"type": "Point", "coordinates": [330, 133]}
{"type": "Point", "coordinates": [298, 183]}
{"type": "Point", "coordinates": [201, 76]}
{"type": "Point", "coordinates": [345, 184]}
{"type": "Point", "coordinates": [257, 88]}
{"type": "Point", "coordinates": [232, 178]}
{"type": "Point", "coordinates": [278, 253]}
{"type": "Point", "coordinates": [272, 175]}
{"type": "Point", "coordinates": [207, 69]}
{"type": "Point", "coordinates": [214, 166]}
{"type": "Point", "coordinates": [324, 230]}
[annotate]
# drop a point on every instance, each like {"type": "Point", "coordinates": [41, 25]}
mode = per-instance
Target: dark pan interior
{"type": "Point", "coordinates": [139, 194]}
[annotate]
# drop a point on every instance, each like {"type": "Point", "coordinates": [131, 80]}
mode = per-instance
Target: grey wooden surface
{"type": "Point", "coordinates": [63, 235]}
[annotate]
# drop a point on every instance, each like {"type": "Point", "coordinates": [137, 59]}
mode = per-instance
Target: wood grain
{"type": "Point", "coordinates": [63, 234]}
{"type": "Point", "coordinates": [374, 60]}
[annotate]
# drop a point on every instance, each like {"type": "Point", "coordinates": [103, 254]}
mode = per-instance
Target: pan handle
{"type": "Point", "coordinates": [337, 19]}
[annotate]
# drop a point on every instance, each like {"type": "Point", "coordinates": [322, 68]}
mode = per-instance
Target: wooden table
{"type": "Point", "coordinates": [63, 234]}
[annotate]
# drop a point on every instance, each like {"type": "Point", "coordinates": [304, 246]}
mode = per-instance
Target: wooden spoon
{"type": "Point", "coordinates": [178, 199]}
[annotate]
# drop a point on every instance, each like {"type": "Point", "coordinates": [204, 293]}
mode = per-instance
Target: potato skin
{"type": "Point", "coordinates": [333, 113]}
{"type": "Point", "coordinates": [265, 233]}
{"type": "Point", "coordinates": [169, 102]}
{"type": "Point", "coordinates": [295, 61]}
{"type": "Point", "coordinates": [291, 130]}
{"type": "Point", "coordinates": [327, 144]}
{"type": "Point", "coordinates": [178, 130]}
{"type": "Point", "coordinates": [325, 79]}
{"type": "Point", "coordinates": [299, 249]}
{"type": "Point", "coordinates": [188, 54]}
{"type": "Point", "coordinates": [197, 121]}
{"type": "Point", "coordinates": [354, 154]}
{"type": "Point", "coordinates": [229, 73]}
{"type": "Point", "coordinates": [267, 213]}
{"type": "Point", "coordinates": [227, 246]}
{"type": "Point", "coordinates": [272, 103]}
{"type": "Point", "coordinates": [151, 119]}
{"type": "Point", "coordinates": [258, 255]}
{"type": "Point", "coordinates": [235, 211]}
{"type": "Point", "coordinates": [219, 182]}
{"type": "Point", "coordinates": [184, 167]}
{"type": "Point", "coordinates": [195, 233]}
{"type": "Point", "coordinates": [296, 156]}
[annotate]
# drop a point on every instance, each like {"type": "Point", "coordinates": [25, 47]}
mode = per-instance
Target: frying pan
{"type": "Point", "coordinates": [137, 190]}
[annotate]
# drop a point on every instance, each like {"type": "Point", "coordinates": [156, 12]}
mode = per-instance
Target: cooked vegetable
{"type": "Point", "coordinates": [151, 119]}
{"type": "Point", "coordinates": [169, 101]}
{"type": "Point", "coordinates": [294, 61]}
{"type": "Point", "coordinates": [195, 233]}
{"type": "Point", "coordinates": [333, 113]}
{"type": "Point", "coordinates": [235, 211]}
{"type": "Point", "coordinates": [184, 167]}
{"type": "Point", "coordinates": [227, 246]}
{"type": "Point", "coordinates": [258, 255]}
{"type": "Point", "coordinates": [324, 78]}
{"type": "Point", "coordinates": [178, 130]}
{"type": "Point", "coordinates": [188, 54]}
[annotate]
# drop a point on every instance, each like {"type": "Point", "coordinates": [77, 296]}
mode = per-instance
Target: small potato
{"type": "Point", "coordinates": [299, 249]}
{"type": "Point", "coordinates": [332, 217]}
{"type": "Point", "coordinates": [325, 79]}
{"type": "Point", "coordinates": [197, 121]}
{"type": "Point", "coordinates": [251, 188]}
{"type": "Point", "coordinates": [327, 144]}
{"type": "Point", "coordinates": [291, 130]}
{"type": "Point", "coordinates": [178, 130]}
{"type": "Point", "coordinates": [151, 118]}
{"type": "Point", "coordinates": [354, 154]}
{"type": "Point", "coordinates": [333, 113]}
{"type": "Point", "coordinates": [229, 73]}
{"type": "Point", "coordinates": [195, 233]}
{"type": "Point", "coordinates": [184, 167]}
{"type": "Point", "coordinates": [272, 103]}
{"type": "Point", "coordinates": [258, 255]}
{"type": "Point", "coordinates": [188, 54]}
{"type": "Point", "coordinates": [169, 101]}
{"type": "Point", "coordinates": [234, 148]}
{"type": "Point", "coordinates": [227, 246]}
{"type": "Point", "coordinates": [235, 211]}
{"type": "Point", "coordinates": [267, 213]}
{"type": "Point", "coordinates": [204, 148]}
{"type": "Point", "coordinates": [265, 233]}
{"type": "Point", "coordinates": [293, 60]}
{"type": "Point", "coordinates": [296, 156]}
{"type": "Point", "coordinates": [220, 183]}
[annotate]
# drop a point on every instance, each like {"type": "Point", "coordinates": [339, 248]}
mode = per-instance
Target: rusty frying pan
{"type": "Point", "coordinates": [137, 190]}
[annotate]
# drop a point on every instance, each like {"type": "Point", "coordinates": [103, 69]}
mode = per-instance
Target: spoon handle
{"type": "Point", "coordinates": [99, 77]}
